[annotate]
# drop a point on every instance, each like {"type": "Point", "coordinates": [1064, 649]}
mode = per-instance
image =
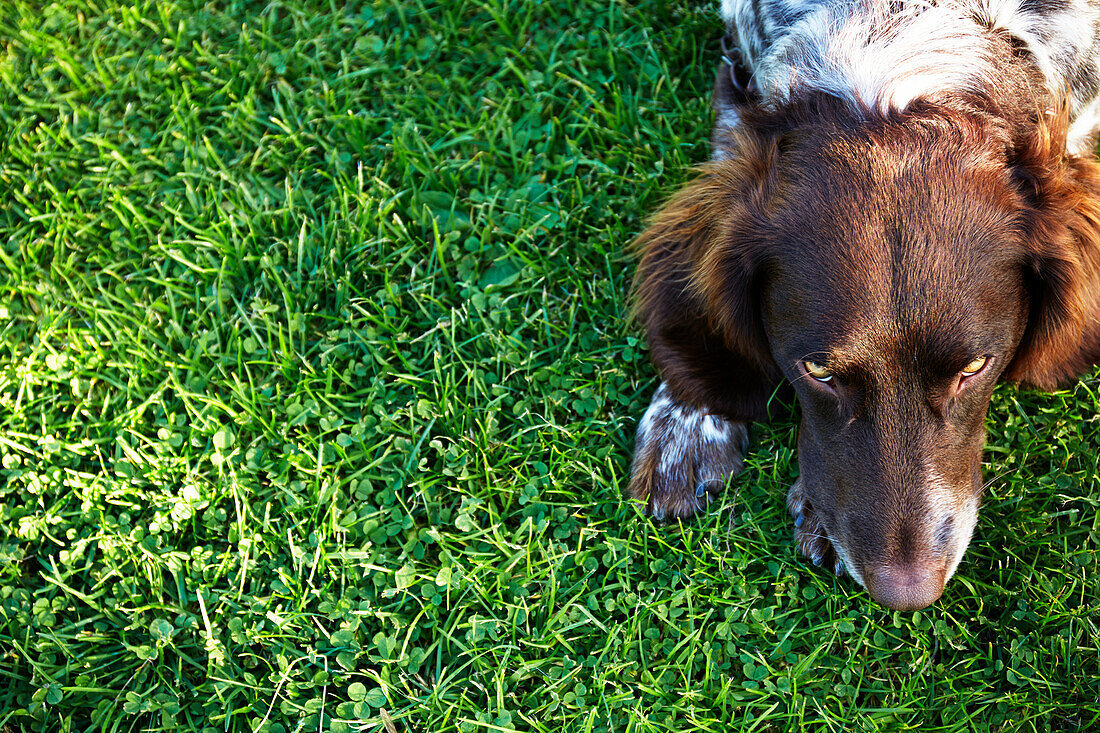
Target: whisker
{"type": "Point", "coordinates": [1000, 475]}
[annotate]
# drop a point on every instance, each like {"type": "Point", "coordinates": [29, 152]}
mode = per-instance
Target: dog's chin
{"type": "Point", "coordinates": [811, 536]}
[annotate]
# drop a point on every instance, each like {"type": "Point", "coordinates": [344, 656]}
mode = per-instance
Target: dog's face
{"type": "Point", "coordinates": [892, 273]}
{"type": "Point", "coordinates": [892, 304]}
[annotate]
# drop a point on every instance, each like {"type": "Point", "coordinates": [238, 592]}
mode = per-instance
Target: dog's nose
{"type": "Point", "coordinates": [906, 587]}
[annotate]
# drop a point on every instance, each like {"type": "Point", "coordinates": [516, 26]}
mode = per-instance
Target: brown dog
{"type": "Point", "coordinates": [891, 253]}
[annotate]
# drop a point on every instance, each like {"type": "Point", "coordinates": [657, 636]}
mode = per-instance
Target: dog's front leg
{"type": "Point", "coordinates": [683, 455]}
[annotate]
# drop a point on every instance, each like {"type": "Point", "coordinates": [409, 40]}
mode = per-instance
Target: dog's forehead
{"type": "Point", "coordinates": [880, 266]}
{"type": "Point", "coordinates": [874, 229]}
{"type": "Point", "coordinates": [868, 296]}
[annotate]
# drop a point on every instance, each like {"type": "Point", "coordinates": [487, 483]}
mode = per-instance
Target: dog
{"type": "Point", "coordinates": [902, 207]}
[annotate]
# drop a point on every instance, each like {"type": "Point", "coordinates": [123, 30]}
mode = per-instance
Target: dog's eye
{"type": "Point", "coordinates": [817, 371]}
{"type": "Point", "coordinates": [975, 366]}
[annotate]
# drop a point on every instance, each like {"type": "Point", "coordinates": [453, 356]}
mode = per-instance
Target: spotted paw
{"type": "Point", "coordinates": [683, 456]}
{"type": "Point", "coordinates": [810, 535]}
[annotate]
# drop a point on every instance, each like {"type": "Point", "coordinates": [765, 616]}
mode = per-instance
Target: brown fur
{"type": "Point", "coordinates": [694, 340]}
{"type": "Point", "coordinates": [1063, 242]}
{"type": "Point", "coordinates": [896, 248]}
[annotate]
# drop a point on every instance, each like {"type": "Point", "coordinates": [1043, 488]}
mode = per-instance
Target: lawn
{"type": "Point", "coordinates": [317, 397]}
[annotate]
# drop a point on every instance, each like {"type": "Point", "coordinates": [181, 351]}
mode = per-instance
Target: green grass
{"type": "Point", "coordinates": [317, 398]}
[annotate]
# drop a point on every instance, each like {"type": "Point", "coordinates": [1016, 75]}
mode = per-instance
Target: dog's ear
{"type": "Point", "coordinates": [1062, 257]}
{"type": "Point", "coordinates": [699, 276]}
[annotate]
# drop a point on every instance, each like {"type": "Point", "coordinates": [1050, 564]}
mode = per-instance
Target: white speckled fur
{"type": "Point", "coordinates": [681, 454]}
{"type": "Point", "coordinates": [877, 62]}
{"type": "Point", "coordinates": [883, 55]}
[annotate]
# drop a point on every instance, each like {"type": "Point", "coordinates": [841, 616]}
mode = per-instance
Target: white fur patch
{"type": "Point", "coordinates": [943, 504]}
{"type": "Point", "coordinates": [1082, 133]}
{"type": "Point", "coordinates": [962, 537]}
{"type": "Point", "coordinates": [850, 566]}
{"type": "Point", "coordinates": [714, 429]}
{"type": "Point", "coordinates": [879, 60]}
{"type": "Point", "coordinates": [884, 54]}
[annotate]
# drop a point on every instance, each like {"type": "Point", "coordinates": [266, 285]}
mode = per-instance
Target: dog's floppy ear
{"type": "Point", "coordinates": [1062, 257]}
{"type": "Point", "coordinates": [696, 290]}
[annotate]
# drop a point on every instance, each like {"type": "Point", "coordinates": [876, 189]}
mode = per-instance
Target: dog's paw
{"type": "Point", "coordinates": [809, 533]}
{"type": "Point", "coordinates": [682, 456]}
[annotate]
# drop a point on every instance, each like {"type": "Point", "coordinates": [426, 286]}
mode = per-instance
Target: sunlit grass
{"type": "Point", "coordinates": [317, 399]}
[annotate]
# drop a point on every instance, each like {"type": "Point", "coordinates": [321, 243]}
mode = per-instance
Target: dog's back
{"type": "Point", "coordinates": [886, 54]}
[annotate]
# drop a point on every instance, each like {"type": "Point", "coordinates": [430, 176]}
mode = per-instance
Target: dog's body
{"type": "Point", "coordinates": [903, 206]}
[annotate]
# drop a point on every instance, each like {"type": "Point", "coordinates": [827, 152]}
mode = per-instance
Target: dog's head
{"type": "Point", "coordinates": [891, 269]}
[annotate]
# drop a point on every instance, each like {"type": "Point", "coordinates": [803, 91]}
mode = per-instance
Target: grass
{"type": "Point", "coordinates": [317, 399]}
